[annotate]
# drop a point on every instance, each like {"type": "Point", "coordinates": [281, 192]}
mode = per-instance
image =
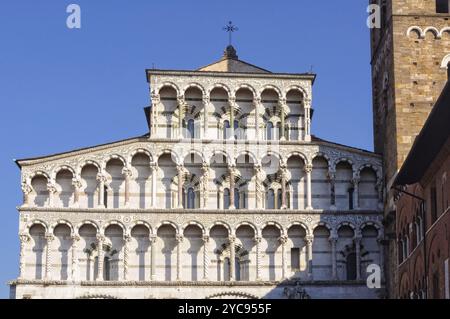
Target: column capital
{"type": "Point", "coordinates": [355, 180]}
{"type": "Point", "coordinates": [179, 238]}
{"type": "Point", "coordinates": [308, 168]}
{"type": "Point", "coordinates": [126, 238]}
{"type": "Point", "coordinates": [76, 183]}
{"type": "Point", "coordinates": [257, 101]}
{"type": "Point", "coordinates": [232, 239]}
{"type": "Point", "coordinates": [205, 238]}
{"type": "Point", "coordinates": [75, 238]}
{"type": "Point", "coordinates": [206, 99]}
{"type": "Point", "coordinates": [283, 239]}
{"type": "Point", "coordinates": [26, 188]}
{"type": "Point", "coordinates": [333, 239]}
{"type": "Point", "coordinates": [100, 238]}
{"type": "Point", "coordinates": [101, 177]}
{"type": "Point", "coordinates": [156, 98]}
{"type": "Point", "coordinates": [309, 239]}
{"type": "Point", "coordinates": [357, 238]}
{"type": "Point", "coordinates": [127, 172]}
{"type": "Point", "coordinates": [49, 237]}
{"type": "Point", "coordinates": [152, 238]}
{"type": "Point", "coordinates": [257, 239]}
{"type": "Point", "coordinates": [51, 187]}
{"type": "Point", "coordinates": [24, 238]}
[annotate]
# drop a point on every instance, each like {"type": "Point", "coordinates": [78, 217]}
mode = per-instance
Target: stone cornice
{"type": "Point", "coordinates": [166, 211]}
{"type": "Point", "coordinates": [185, 283]}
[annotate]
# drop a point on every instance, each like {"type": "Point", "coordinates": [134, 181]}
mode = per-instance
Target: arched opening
{"type": "Point", "coordinates": [166, 118]}
{"type": "Point", "coordinates": [244, 126]}
{"type": "Point", "coordinates": [351, 266]}
{"type": "Point", "coordinates": [36, 260]}
{"type": "Point", "coordinates": [89, 198]}
{"type": "Point", "coordinates": [368, 194]}
{"type": "Point", "coordinates": [296, 249]}
{"type": "Point", "coordinates": [116, 184]}
{"type": "Point", "coordinates": [343, 186]}
{"type": "Point", "coordinates": [167, 191]}
{"type": "Point", "coordinates": [139, 259]}
{"type": "Point", "coordinates": [165, 246]}
{"type": "Point", "coordinates": [88, 252]}
{"type": "Point", "coordinates": [320, 184]}
{"type": "Point", "coordinates": [191, 247]}
{"type": "Point", "coordinates": [141, 184]}
{"type": "Point", "coordinates": [40, 191]}
{"type": "Point", "coordinates": [65, 188]}
{"type": "Point", "coordinates": [113, 252]}
{"type": "Point", "coordinates": [321, 254]}
{"type": "Point", "coordinates": [270, 247]}
{"type": "Point", "coordinates": [61, 247]}
{"type": "Point", "coordinates": [296, 170]}
{"type": "Point", "coordinates": [295, 115]}
{"type": "Point", "coordinates": [218, 239]}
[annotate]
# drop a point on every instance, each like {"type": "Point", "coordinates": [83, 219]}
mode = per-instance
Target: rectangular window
{"type": "Point", "coordinates": [442, 6]}
{"type": "Point", "coordinates": [433, 203]}
{"type": "Point", "coordinates": [295, 259]}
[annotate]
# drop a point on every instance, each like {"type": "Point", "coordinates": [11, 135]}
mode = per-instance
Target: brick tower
{"type": "Point", "coordinates": [410, 55]}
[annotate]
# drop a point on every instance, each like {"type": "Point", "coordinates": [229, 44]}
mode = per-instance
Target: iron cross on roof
{"type": "Point", "coordinates": [230, 28]}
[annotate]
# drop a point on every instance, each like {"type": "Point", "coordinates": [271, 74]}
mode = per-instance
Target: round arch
{"type": "Point", "coordinates": [168, 84]}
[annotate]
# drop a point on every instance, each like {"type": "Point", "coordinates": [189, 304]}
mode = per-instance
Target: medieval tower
{"type": "Point", "coordinates": [410, 56]}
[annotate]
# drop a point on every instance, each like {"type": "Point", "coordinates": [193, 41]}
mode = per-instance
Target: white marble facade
{"type": "Point", "coordinates": [229, 195]}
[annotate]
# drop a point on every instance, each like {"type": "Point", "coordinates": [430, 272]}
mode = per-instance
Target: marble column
{"type": "Point", "coordinates": [128, 174]}
{"type": "Point", "coordinates": [282, 118]}
{"type": "Point", "coordinates": [333, 240]}
{"type": "Point", "coordinates": [52, 190]}
{"type": "Point", "coordinates": [355, 182]}
{"type": "Point", "coordinates": [27, 190]}
{"type": "Point", "coordinates": [283, 187]}
{"type": "Point", "coordinates": [48, 256]}
{"type": "Point", "coordinates": [180, 186]}
{"type": "Point", "coordinates": [126, 248]}
{"type": "Point", "coordinates": [179, 240]}
{"type": "Point", "coordinates": [101, 178]}
{"type": "Point", "coordinates": [358, 256]}
{"type": "Point", "coordinates": [332, 181]}
{"type": "Point", "coordinates": [154, 114]}
{"type": "Point", "coordinates": [381, 252]}
{"type": "Point", "coordinates": [206, 104]}
{"type": "Point", "coordinates": [307, 120]}
{"type": "Point", "coordinates": [101, 254]}
{"type": "Point", "coordinates": [24, 239]}
{"type": "Point", "coordinates": [205, 258]}
{"type": "Point", "coordinates": [74, 248]}
{"type": "Point", "coordinates": [258, 187]}
{"type": "Point", "coordinates": [309, 255]}
{"type": "Point", "coordinates": [181, 105]}
{"type": "Point", "coordinates": [308, 171]}
{"type": "Point", "coordinates": [152, 257]}
{"type": "Point", "coordinates": [231, 170]}
{"type": "Point", "coordinates": [77, 189]}
{"type": "Point", "coordinates": [232, 241]}
{"type": "Point", "coordinates": [258, 257]}
{"type": "Point", "coordinates": [284, 272]}
{"type": "Point", "coordinates": [205, 188]}
{"type": "Point", "coordinates": [257, 105]}
{"type": "Point", "coordinates": [154, 169]}
{"type": "Point", "coordinates": [232, 102]}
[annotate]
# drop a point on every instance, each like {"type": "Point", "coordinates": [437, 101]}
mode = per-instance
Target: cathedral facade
{"type": "Point", "coordinates": [229, 195]}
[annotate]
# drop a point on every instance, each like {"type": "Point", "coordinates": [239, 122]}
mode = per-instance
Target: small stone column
{"type": "Point", "coordinates": [128, 174]}
{"type": "Point", "coordinates": [101, 254]}
{"type": "Point", "coordinates": [48, 256]}
{"type": "Point", "coordinates": [152, 257]}
{"type": "Point", "coordinates": [355, 182]}
{"type": "Point", "coordinates": [205, 189]}
{"type": "Point", "coordinates": [381, 250]}
{"type": "Point", "coordinates": [358, 256]}
{"type": "Point", "coordinates": [309, 255]}
{"type": "Point", "coordinates": [283, 241]}
{"type": "Point", "coordinates": [52, 190]}
{"type": "Point", "coordinates": [258, 257]}
{"type": "Point", "coordinates": [308, 171]}
{"type": "Point", "coordinates": [77, 189]}
{"type": "Point", "coordinates": [154, 169]}
{"type": "Point", "coordinates": [101, 179]}
{"type": "Point", "coordinates": [179, 240]}
{"type": "Point", "coordinates": [332, 181]}
{"type": "Point", "coordinates": [231, 170]}
{"type": "Point", "coordinates": [205, 258]}
{"type": "Point", "coordinates": [206, 104]}
{"type": "Point", "coordinates": [126, 248]}
{"type": "Point", "coordinates": [257, 105]}
{"type": "Point", "coordinates": [307, 120]}
{"type": "Point", "coordinates": [180, 186]}
{"type": "Point", "coordinates": [154, 114]}
{"type": "Point", "coordinates": [232, 102]}
{"type": "Point", "coordinates": [74, 268]}
{"type": "Point", "coordinates": [232, 241]}
{"type": "Point", "coordinates": [283, 187]}
{"type": "Point", "coordinates": [258, 187]}
{"type": "Point", "coordinates": [221, 199]}
{"type": "Point", "coordinates": [282, 105]}
{"type": "Point", "coordinates": [333, 240]}
{"type": "Point", "coordinates": [181, 105]}
{"type": "Point", "coordinates": [27, 190]}
{"type": "Point", "coordinates": [24, 239]}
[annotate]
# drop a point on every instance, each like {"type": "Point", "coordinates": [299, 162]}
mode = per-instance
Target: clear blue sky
{"type": "Point", "coordinates": [62, 89]}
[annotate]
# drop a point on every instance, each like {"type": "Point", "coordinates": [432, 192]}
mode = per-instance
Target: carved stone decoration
{"type": "Point", "coordinates": [296, 292]}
